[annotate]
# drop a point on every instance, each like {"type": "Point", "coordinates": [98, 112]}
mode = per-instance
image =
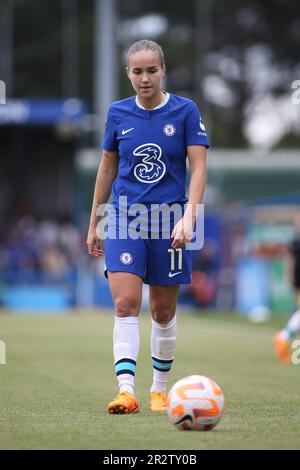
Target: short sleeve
{"type": "Point", "coordinates": [109, 141]}
{"type": "Point", "coordinates": [195, 132]}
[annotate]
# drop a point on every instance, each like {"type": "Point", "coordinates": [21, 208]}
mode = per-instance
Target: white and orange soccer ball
{"type": "Point", "coordinates": [195, 403]}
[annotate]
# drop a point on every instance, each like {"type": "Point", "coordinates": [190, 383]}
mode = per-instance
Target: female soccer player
{"type": "Point", "coordinates": [145, 145]}
{"type": "Point", "coordinates": [282, 340]}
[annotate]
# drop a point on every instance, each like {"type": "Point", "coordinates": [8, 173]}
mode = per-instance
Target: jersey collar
{"type": "Point", "coordinates": [163, 103]}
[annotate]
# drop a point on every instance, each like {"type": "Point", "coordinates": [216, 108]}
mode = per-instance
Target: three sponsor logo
{"type": "Point", "coordinates": [152, 168]}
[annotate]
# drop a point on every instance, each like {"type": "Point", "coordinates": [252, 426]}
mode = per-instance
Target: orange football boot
{"type": "Point", "coordinates": [282, 349]}
{"type": "Point", "coordinates": [123, 404]}
{"type": "Point", "coordinates": [158, 401]}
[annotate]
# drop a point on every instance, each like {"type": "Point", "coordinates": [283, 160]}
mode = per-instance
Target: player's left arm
{"type": "Point", "coordinates": [183, 230]}
{"type": "Point", "coordinates": [197, 164]}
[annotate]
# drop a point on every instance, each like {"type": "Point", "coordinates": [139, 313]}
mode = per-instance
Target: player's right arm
{"type": "Point", "coordinates": [107, 172]}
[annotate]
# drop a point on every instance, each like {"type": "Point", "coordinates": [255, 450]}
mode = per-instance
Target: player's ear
{"type": "Point", "coordinates": [164, 70]}
{"type": "Point", "coordinates": [127, 70]}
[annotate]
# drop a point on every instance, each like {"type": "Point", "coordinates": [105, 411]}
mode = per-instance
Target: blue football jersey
{"type": "Point", "coordinates": [152, 147]}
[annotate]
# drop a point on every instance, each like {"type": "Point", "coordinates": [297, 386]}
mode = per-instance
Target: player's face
{"type": "Point", "coordinates": [145, 73]}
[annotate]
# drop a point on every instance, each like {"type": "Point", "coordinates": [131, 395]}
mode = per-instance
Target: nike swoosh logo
{"type": "Point", "coordinates": [174, 274]}
{"type": "Point", "coordinates": [127, 130]}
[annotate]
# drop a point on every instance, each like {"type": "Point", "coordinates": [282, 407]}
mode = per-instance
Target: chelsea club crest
{"type": "Point", "coordinates": [126, 258]}
{"type": "Point", "coordinates": [169, 130]}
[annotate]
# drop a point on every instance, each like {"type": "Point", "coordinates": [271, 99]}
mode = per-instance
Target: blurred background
{"type": "Point", "coordinates": [62, 64]}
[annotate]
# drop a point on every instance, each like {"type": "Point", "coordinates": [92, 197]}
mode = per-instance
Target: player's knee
{"type": "Point", "coordinates": [126, 307]}
{"type": "Point", "coordinates": [162, 314]}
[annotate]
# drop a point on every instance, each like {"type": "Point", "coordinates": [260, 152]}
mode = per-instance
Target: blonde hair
{"type": "Point", "coordinates": [146, 45]}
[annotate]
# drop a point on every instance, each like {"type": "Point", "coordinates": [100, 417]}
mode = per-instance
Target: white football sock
{"type": "Point", "coordinates": [126, 343]}
{"type": "Point", "coordinates": [163, 343]}
{"type": "Point", "coordinates": [293, 327]}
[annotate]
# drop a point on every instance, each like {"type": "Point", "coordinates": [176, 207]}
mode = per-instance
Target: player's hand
{"type": "Point", "coordinates": [93, 243]}
{"type": "Point", "coordinates": [182, 232]}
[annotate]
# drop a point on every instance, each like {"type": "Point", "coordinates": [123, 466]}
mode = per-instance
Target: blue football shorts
{"type": "Point", "coordinates": [154, 260]}
{"type": "Point", "coordinates": [149, 255]}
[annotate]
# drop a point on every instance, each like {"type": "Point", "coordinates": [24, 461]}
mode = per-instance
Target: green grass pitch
{"type": "Point", "coordinates": [59, 378]}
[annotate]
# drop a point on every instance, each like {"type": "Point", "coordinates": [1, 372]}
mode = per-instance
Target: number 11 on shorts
{"type": "Point", "coordinates": [173, 259]}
